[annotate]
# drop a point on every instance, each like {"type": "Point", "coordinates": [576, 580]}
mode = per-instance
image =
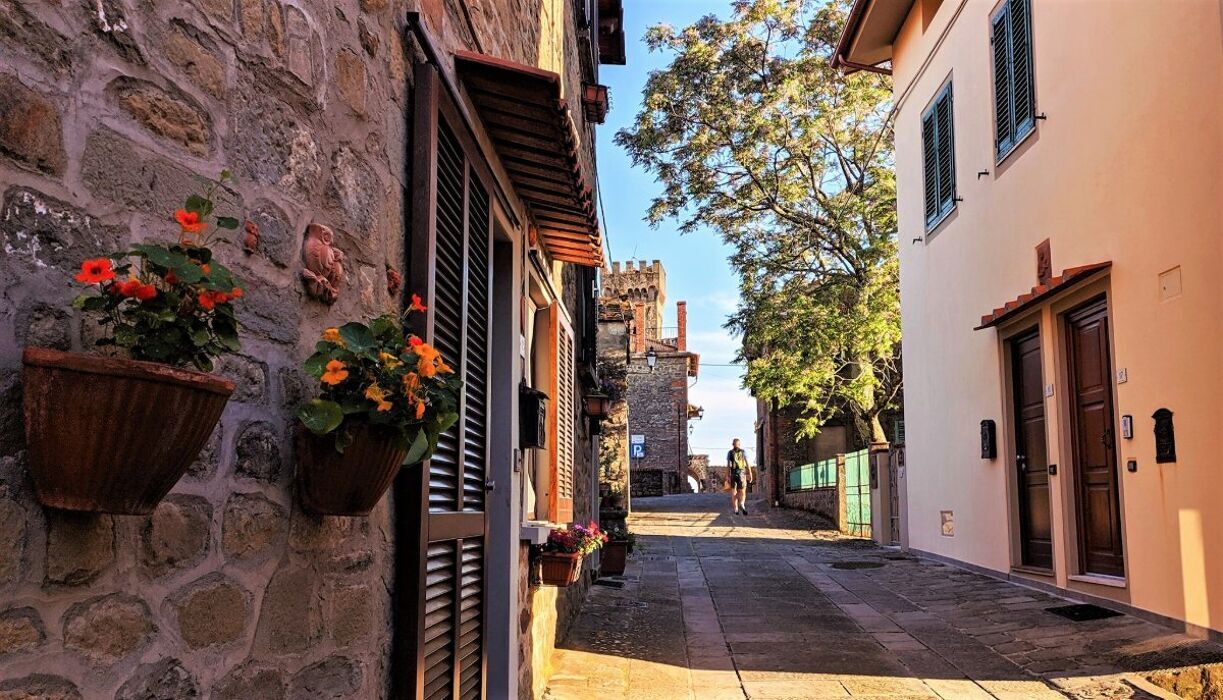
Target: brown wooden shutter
{"type": "Point", "coordinates": [439, 635]}
{"type": "Point", "coordinates": [562, 416]}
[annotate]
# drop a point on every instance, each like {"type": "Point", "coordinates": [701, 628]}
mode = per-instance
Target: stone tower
{"type": "Point", "coordinates": [644, 286]}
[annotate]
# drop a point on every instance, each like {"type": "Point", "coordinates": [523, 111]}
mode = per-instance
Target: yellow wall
{"type": "Point", "coordinates": [1128, 167]}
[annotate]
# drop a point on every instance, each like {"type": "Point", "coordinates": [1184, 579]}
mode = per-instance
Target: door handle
{"type": "Point", "coordinates": [1022, 462]}
{"type": "Point", "coordinates": [489, 485]}
{"type": "Point", "coordinates": [1106, 438]}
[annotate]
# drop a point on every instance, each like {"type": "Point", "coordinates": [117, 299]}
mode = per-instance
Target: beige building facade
{"type": "Point", "coordinates": [1060, 194]}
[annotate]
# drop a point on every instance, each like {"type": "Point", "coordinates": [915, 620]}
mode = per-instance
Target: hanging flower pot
{"type": "Point", "coordinates": [349, 482]}
{"type": "Point", "coordinates": [559, 568]}
{"type": "Point", "coordinates": [385, 398]}
{"type": "Point", "coordinates": [113, 435]}
{"type": "Point", "coordinates": [613, 559]}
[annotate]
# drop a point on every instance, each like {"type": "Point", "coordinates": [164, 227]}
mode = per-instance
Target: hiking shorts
{"type": "Point", "coordinates": [736, 481]}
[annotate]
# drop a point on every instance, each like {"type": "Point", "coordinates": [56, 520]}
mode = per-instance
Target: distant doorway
{"type": "Point", "coordinates": [1096, 485]}
{"type": "Point", "coordinates": [1031, 455]}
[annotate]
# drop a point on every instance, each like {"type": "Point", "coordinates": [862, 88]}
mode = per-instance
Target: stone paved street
{"type": "Point", "coordinates": [715, 606]}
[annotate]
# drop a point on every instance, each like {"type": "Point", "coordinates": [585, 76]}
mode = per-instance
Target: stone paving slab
{"type": "Point", "coordinates": [717, 607]}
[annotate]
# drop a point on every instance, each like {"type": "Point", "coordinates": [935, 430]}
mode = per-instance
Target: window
{"type": "Point", "coordinates": [562, 410]}
{"type": "Point", "coordinates": [938, 150]}
{"type": "Point", "coordinates": [1014, 88]}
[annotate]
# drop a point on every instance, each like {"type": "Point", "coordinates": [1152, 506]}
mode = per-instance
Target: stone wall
{"type": "Point", "coordinates": [828, 502]}
{"type": "Point", "coordinates": [658, 409]}
{"type": "Point", "coordinates": [111, 113]}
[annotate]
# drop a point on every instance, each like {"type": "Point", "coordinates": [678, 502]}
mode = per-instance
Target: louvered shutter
{"type": "Point", "coordinates": [946, 151]}
{"type": "Point", "coordinates": [930, 158]}
{"type": "Point", "coordinates": [440, 520]}
{"type": "Point", "coordinates": [1004, 125]}
{"type": "Point", "coordinates": [563, 414]}
{"type": "Point", "coordinates": [1023, 88]}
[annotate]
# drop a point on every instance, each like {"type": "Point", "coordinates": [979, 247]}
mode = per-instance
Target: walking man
{"type": "Point", "coordinates": [740, 476]}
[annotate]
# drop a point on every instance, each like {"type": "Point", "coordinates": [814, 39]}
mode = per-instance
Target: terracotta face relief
{"type": "Point", "coordinates": [324, 271]}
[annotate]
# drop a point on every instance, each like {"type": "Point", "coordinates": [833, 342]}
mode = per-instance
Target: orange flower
{"type": "Point", "coordinates": [389, 360]}
{"type": "Point", "coordinates": [335, 373]}
{"type": "Point", "coordinates": [206, 268]}
{"type": "Point", "coordinates": [207, 301]}
{"type": "Point", "coordinates": [128, 287]}
{"type": "Point", "coordinates": [420, 409]}
{"type": "Point", "coordinates": [332, 335]}
{"type": "Point", "coordinates": [375, 393]}
{"type": "Point", "coordinates": [414, 342]}
{"type": "Point", "coordinates": [236, 293]}
{"type": "Point", "coordinates": [417, 304]}
{"type": "Point", "coordinates": [146, 292]}
{"type": "Point", "coordinates": [426, 368]}
{"type": "Point", "coordinates": [95, 271]}
{"type": "Point", "coordinates": [411, 384]}
{"type": "Point", "coordinates": [189, 221]}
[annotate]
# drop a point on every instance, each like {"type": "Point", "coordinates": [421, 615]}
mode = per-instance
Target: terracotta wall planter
{"type": "Point", "coordinates": [559, 568]}
{"type": "Point", "coordinates": [613, 559]}
{"type": "Point", "coordinates": [112, 435]}
{"type": "Point", "coordinates": [351, 483]}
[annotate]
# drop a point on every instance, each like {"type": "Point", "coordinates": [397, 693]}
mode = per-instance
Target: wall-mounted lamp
{"type": "Point", "coordinates": [597, 405]}
{"type": "Point", "coordinates": [595, 102]}
{"type": "Point", "coordinates": [651, 358]}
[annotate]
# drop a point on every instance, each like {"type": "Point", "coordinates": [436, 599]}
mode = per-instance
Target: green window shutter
{"type": "Point", "coordinates": [946, 151]}
{"type": "Point", "coordinates": [930, 157]}
{"type": "Point", "coordinates": [1004, 125]}
{"type": "Point", "coordinates": [1023, 87]}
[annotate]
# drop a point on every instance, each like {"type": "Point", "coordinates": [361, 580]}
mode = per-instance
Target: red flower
{"type": "Point", "coordinates": [129, 287]}
{"type": "Point", "coordinates": [189, 220]}
{"type": "Point", "coordinates": [236, 293]}
{"type": "Point", "coordinates": [171, 278]}
{"type": "Point", "coordinates": [207, 302]}
{"type": "Point", "coordinates": [146, 292]}
{"type": "Point", "coordinates": [415, 342]}
{"type": "Point", "coordinates": [417, 305]}
{"type": "Point", "coordinates": [95, 271]}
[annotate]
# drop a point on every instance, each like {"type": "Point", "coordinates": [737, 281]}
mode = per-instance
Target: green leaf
{"type": "Point", "coordinates": [445, 421]}
{"type": "Point", "coordinates": [320, 416]}
{"type": "Point", "coordinates": [199, 205]}
{"type": "Point", "coordinates": [342, 440]}
{"type": "Point", "coordinates": [188, 272]}
{"type": "Point", "coordinates": [200, 336]}
{"type": "Point", "coordinates": [316, 364]}
{"type": "Point", "coordinates": [94, 303]}
{"type": "Point", "coordinates": [419, 450]}
{"type": "Point", "coordinates": [227, 222]}
{"type": "Point", "coordinates": [357, 337]}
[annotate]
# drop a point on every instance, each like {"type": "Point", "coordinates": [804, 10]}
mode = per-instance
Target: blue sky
{"type": "Point", "coordinates": [697, 269]}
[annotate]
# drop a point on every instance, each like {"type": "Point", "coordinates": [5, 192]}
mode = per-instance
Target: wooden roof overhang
{"type": "Point", "coordinates": [536, 141]}
{"type": "Point", "coordinates": [1070, 277]}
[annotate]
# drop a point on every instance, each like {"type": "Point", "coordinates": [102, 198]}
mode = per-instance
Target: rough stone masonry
{"type": "Point", "coordinates": [111, 113]}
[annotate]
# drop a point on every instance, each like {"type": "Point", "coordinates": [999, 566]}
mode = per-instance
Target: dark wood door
{"type": "Point", "coordinates": [1095, 460]}
{"type": "Point", "coordinates": [1031, 456]}
{"type": "Point", "coordinates": [441, 526]}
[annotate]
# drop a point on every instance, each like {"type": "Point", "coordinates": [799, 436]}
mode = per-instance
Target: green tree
{"type": "Point", "coordinates": [755, 136]}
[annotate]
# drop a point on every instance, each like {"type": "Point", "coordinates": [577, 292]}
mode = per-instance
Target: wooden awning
{"type": "Point", "coordinates": [535, 138]}
{"type": "Point", "coordinates": [1069, 278]}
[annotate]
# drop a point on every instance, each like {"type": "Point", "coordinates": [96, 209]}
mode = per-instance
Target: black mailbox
{"type": "Point", "coordinates": [989, 439]}
{"type": "Point", "coordinates": [532, 417]}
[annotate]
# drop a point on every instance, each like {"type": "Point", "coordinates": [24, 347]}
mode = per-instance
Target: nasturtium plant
{"type": "Point", "coordinates": [168, 303]}
{"type": "Point", "coordinates": [377, 374]}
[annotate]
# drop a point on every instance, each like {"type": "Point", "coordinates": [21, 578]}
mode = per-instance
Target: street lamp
{"type": "Point", "coordinates": [651, 358]}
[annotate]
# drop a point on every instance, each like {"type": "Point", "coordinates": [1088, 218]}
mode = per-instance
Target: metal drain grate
{"type": "Point", "coordinates": [609, 584]}
{"type": "Point", "coordinates": [855, 565]}
{"type": "Point", "coordinates": [1083, 612]}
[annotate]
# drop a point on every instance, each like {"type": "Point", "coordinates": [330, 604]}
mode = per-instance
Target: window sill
{"type": "Point", "coordinates": [535, 532]}
{"type": "Point", "coordinates": [1097, 579]}
{"type": "Point", "coordinates": [1000, 158]}
{"type": "Point", "coordinates": [933, 226]}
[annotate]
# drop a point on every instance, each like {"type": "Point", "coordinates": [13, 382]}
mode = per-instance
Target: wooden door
{"type": "Point", "coordinates": [439, 634]}
{"type": "Point", "coordinates": [1031, 455]}
{"type": "Point", "coordinates": [1095, 460]}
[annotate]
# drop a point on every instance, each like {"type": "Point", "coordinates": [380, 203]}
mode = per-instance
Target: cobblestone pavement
{"type": "Point", "coordinates": [715, 606]}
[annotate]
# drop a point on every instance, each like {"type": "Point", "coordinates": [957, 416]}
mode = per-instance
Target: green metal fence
{"type": "Point", "coordinates": [817, 475]}
{"type": "Point", "coordinates": [858, 493]}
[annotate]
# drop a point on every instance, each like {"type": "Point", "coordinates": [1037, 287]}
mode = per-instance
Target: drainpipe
{"type": "Point", "coordinates": [777, 476]}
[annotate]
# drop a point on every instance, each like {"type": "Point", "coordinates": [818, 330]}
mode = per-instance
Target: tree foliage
{"type": "Point", "coordinates": [754, 135]}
